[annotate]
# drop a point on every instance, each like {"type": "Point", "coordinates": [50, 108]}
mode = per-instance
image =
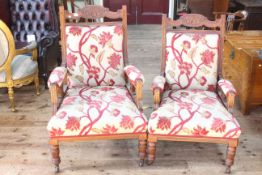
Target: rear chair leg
{"type": "Point", "coordinates": [151, 152]}
{"type": "Point", "coordinates": [231, 151]}
{"type": "Point", "coordinates": [55, 157]}
{"type": "Point", "coordinates": [142, 151]}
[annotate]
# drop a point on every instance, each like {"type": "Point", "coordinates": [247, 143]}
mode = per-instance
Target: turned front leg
{"type": "Point", "coordinates": [231, 152]}
{"type": "Point", "coordinates": [151, 152]}
{"type": "Point", "coordinates": [55, 157]}
{"type": "Point", "coordinates": [142, 151]}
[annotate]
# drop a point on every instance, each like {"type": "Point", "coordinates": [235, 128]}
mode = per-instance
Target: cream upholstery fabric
{"type": "Point", "coordinates": [3, 48]}
{"type": "Point", "coordinates": [22, 66]}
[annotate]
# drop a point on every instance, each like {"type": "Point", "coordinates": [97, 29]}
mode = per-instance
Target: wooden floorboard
{"type": "Point", "coordinates": [24, 146]}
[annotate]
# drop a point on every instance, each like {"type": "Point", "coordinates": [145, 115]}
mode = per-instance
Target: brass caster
{"type": "Point", "coordinates": [228, 170]}
{"type": "Point", "coordinates": [57, 169]}
{"type": "Point", "coordinates": [141, 163]}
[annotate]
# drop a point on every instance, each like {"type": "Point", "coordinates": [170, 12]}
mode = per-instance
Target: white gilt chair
{"type": "Point", "coordinates": [18, 67]}
{"type": "Point", "coordinates": [191, 109]}
{"type": "Point", "coordinates": [97, 103]}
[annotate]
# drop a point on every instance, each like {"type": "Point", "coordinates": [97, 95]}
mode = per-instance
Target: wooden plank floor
{"type": "Point", "coordinates": [24, 146]}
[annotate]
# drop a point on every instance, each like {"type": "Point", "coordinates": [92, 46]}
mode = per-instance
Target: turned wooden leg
{"type": "Point", "coordinates": [151, 152]}
{"type": "Point", "coordinates": [11, 98]}
{"type": "Point", "coordinates": [142, 151]}
{"type": "Point", "coordinates": [55, 157]}
{"type": "Point", "coordinates": [36, 80]}
{"type": "Point", "coordinates": [231, 151]}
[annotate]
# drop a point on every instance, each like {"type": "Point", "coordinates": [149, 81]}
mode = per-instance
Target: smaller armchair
{"type": "Point", "coordinates": [18, 67]}
{"type": "Point", "coordinates": [192, 102]}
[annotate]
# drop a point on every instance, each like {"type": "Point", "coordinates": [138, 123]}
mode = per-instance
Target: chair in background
{"type": "Point", "coordinates": [234, 20]}
{"type": "Point", "coordinates": [16, 69]}
{"type": "Point", "coordinates": [191, 87]}
{"type": "Point", "coordinates": [38, 18]}
{"type": "Point", "coordinates": [97, 103]}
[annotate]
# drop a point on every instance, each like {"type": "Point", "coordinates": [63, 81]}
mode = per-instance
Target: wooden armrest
{"type": "Point", "coordinates": [29, 48]}
{"type": "Point", "coordinates": [156, 96]}
{"type": "Point", "coordinates": [139, 95]}
{"type": "Point", "coordinates": [230, 101]}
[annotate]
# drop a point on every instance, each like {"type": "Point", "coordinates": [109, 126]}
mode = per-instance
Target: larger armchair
{"type": "Point", "coordinates": [38, 18]}
{"type": "Point", "coordinates": [98, 103]}
{"type": "Point", "coordinates": [189, 94]}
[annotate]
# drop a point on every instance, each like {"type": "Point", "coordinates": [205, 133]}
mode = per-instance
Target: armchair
{"type": "Point", "coordinates": [16, 69]}
{"type": "Point", "coordinates": [188, 106]}
{"type": "Point", "coordinates": [90, 94]}
{"type": "Point", "coordinates": [38, 18]}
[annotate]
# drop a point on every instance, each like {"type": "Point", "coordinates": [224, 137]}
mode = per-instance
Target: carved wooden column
{"type": "Point", "coordinates": [55, 157]}
{"type": "Point", "coordinates": [142, 151]}
{"type": "Point", "coordinates": [231, 151]}
{"type": "Point", "coordinates": [151, 152]}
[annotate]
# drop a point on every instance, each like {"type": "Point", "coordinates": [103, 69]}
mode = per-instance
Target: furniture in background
{"type": "Point", "coordinates": [234, 20]}
{"type": "Point", "coordinates": [191, 87]}
{"type": "Point", "coordinates": [254, 9]}
{"type": "Point", "coordinates": [243, 66]}
{"type": "Point", "coordinates": [38, 18]}
{"type": "Point", "coordinates": [16, 69]}
{"type": "Point", "coordinates": [98, 103]}
{"type": "Point", "coordinates": [5, 12]}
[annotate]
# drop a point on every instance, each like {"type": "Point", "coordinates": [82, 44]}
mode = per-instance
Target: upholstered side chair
{"type": "Point", "coordinates": [192, 101]}
{"type": "Point", "coordinates": [16, 68]}
{"type": "Point", "coordinates": [102, 97]}
{"type": "Point", "coordinates": [39, 18]}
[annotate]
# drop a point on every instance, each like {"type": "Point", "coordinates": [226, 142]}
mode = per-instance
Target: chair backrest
{"type": "Point", "coordinates": [191, 58]}
{"type": "Point", "coordinates": [95, 53]}
{"type": "Point", "coordinates": [7, 46]}
{"type": "Point", "coordinates": [36, 17]}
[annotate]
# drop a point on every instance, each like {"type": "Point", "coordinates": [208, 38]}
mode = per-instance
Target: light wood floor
{"type": "Point", "coordinates": [24, 146]}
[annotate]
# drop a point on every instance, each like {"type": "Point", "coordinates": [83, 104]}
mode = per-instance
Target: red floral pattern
{"type": "Point", "coordinates": [95, 56]}
{"type": "Point", "coordinates": [97, 111]}
{"type": "Point", "coordinates": [57, 76]}
{"type": "Point", "coordinates": [193, 113]}
{"type": "Point", "coordinates": [133, 74]}
{"type": "Point", "coordinates": [226, 86]}
{"type": "Point", "coordinates": [191, 62]}
{"type": "Point", "coordinates": [159, 83]}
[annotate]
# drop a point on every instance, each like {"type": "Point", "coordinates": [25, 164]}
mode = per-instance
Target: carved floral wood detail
{"type": "Point", "coordinates": [94, 12]}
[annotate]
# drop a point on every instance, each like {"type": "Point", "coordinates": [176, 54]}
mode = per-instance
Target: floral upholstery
{"type": "Point", "coordinates": [22, 66]}
{"type": "Point", "coordinates": [158, 83]}
{"type": "Point", "coordinates": [193, 113]}
{"type": "Point", "coordinates": [94, 56]}
{"type": "Point", "coordinates": [103, 110]}
{"type": "Point", "coordinates": [133, 74]}
{"type": "Point", "coordinates": [226, 86]}
{"type": "Point", "coordinates": [191, 60]}
{"type": "Point", "coordinates": [57, 76]}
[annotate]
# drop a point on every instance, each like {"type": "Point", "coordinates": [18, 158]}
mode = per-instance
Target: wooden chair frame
{"type": "Point", "coordinates": [195, 21]}
{"type": "Point", "coordinates": [6, 67]}
{"type": "Point", "coordinates": [94, 12]}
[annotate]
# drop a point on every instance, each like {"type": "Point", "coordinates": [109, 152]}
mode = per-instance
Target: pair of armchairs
{"type": "Point", "coordinates": [101, 94]}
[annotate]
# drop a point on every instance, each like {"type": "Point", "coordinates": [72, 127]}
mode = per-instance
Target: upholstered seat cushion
{"type": "Point", "coordinates": [22, 66]}
{"type": "Point", "coordinates": [194, 113]}
{"type": "Point", "coordinates": [102, 110]}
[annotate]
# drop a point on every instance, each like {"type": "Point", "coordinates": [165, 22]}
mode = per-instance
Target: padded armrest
{"type": "Point", "coordinates": [159, 83]}
{"type": "Point", "coordinates": [226, 87]}
{"type": "Point", "coordinates": [57, 76]}
{"type": "Point", "coordinates": [133, 74]}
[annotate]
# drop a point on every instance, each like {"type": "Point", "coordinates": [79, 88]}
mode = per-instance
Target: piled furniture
{"type": "Point", "coordinates": [98, 102]}
{"type": "Point", "coordinates": [16, 68]}
{"type": "Point", "coordinates": [38, 18]}
{"type": "Point", "coordinates": [189, 95]}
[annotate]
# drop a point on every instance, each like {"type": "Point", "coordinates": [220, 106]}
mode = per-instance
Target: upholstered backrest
{"type": "Point", "coordinates": [31, 17]}
{"type": "Point", "coordinates": [94, 55]}
{"type": "Point", "coordinates": [3, 47]}
{"type": "Point", "coordinates": [192, 59]}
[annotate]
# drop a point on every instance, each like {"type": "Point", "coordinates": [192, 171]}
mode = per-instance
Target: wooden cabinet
{"type": "Point", "coordinates": [5, 14]}
{"type": "Point", "coordinates": [243, 67]}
